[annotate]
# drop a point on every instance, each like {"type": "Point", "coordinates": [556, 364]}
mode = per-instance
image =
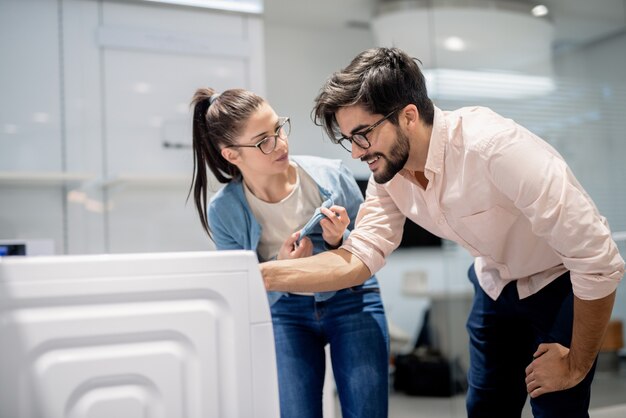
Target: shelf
{"type": "Point", "coordinates": [42, 178]}
{"type": "Point", "coordinates": [148, 180]}
{"type": "Point", "coordinates": [48, 178]}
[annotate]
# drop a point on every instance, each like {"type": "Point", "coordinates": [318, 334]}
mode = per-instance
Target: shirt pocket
{"type": "Point", "coordinates": [490, 228]}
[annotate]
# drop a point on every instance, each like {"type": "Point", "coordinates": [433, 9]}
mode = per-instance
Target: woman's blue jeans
{"type": "Point", "coordinates": [353, 323]}
{"type": "Point", "coordinates": [504, 334]}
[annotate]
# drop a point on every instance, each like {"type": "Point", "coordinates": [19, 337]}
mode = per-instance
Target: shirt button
{"type": "Point", "coordinates": [441, 220]}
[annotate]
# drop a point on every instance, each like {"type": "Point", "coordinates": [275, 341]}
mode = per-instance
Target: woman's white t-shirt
{"type": "Point", "coordinates": [281, 219]}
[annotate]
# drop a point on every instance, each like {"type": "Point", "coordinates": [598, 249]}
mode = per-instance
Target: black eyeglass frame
{"type": "Point", "coordinates": [362, 134]}
{"type": "Point", "coordinates": [281, 124]}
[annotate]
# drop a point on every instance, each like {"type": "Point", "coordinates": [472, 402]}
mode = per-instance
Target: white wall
{"type": "Point", "coordinates": [30, 119]}
{"type": "Point", "coordinates": [92, 90]}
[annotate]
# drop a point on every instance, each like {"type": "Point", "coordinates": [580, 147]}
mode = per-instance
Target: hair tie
{"type": "Point", "coordinates": [213, 98]}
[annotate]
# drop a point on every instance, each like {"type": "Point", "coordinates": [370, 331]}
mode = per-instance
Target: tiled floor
{"type": "Point", "coordinates": [609, 390]}
{"type": "Point", "coordinates": [608, 400]}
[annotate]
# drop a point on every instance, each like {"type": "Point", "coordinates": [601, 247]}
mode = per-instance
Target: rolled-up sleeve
{"type": "Point", "coordinates": [541, 185]}
{"type": "Point", "coordinates": [378, 229]}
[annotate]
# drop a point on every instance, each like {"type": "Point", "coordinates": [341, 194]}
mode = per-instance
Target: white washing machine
{"type": "Point", "coordinates": [168, 335]}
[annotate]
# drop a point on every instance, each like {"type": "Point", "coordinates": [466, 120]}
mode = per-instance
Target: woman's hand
{"type": "Point", "coordinates": [291, 250]}
{"type": "Point", "coordinates": [334, 225]}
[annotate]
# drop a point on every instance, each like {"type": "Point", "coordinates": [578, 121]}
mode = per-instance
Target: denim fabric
{"type": "Point", "coordinates": [353, 323]}
{"type": "Point", "coordinates": [234, 227]}
{"type": "Point", "coordinates": [504, 334]}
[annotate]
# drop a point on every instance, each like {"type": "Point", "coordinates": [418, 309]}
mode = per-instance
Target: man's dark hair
{"type": "Point", "coordinates": [381, 80]}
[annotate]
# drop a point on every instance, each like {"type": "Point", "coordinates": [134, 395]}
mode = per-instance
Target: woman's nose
{"type": "Point", "coordinates": [282, 143]}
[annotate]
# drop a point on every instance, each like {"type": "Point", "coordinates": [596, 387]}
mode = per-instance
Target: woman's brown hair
{"type": "Point", "coordinates": [217, 121]}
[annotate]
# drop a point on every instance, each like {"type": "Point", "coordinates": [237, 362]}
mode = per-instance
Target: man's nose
{"type": "Point", "coordinates": [357, 152]}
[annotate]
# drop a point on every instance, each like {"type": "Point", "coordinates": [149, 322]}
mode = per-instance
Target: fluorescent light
{"type": "Point", "coordinates": [243, 6]}
{"type": "Point", "coordinates": [461, 84]}
{"type": "Point", "coordinates": [454, 43]}
{"type": "Point", "coordinates": [539, 10]}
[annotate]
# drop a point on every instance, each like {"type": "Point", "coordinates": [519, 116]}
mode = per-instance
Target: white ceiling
{"type": "Point", "coordinates": [575, 21]}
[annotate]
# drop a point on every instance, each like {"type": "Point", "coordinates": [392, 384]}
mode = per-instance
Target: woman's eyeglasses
{"type": "Point", "coordinates": [268, 144]}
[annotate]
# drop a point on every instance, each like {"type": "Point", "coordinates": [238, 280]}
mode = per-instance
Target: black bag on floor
{"type": "Point", "coordinates": [425, 372]}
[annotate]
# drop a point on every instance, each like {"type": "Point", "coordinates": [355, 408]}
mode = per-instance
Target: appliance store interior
{"type": "Point", "coordinates": [96, 165]}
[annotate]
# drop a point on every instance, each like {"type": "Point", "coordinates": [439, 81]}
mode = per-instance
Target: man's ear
{"type": "Point", "coordinates": [410, 115]}
{"type": "Point", "coordinates": [231, 155]}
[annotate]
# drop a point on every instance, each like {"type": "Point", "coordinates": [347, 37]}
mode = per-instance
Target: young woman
{"type": "Point", "coordinates": [267, 199]}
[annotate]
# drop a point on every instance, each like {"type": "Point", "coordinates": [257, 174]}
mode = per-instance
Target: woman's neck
{"type": "Point", "coordinates": [273, 188]}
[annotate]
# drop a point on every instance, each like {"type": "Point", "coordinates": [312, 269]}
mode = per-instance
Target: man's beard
{"type": "Point", "coordinates": [398, 156]}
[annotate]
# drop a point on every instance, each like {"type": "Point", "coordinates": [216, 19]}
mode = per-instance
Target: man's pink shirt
{"type": "Point", "coordinates": [506, 196]}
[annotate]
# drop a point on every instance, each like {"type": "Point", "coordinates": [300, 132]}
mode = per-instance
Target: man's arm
{"type": "Point", "coordinates": [591, 319]}
{"type": "Point", "coordinates": [541, 185]}
{"type": "Point", "coordinates": [330, 270]}
{"type": "Point", "coordinates": [557, 368]}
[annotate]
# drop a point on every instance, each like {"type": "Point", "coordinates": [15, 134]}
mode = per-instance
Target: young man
{"type": "Point", "coordinates": [545, 269]}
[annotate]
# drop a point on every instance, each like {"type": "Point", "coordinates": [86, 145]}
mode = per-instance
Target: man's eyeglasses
{"type": "Point", "coordinates": [268, 144]}
{"type": "Point", "coordinates": [360, 138]}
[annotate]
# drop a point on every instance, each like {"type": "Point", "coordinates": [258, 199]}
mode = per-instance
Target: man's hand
{"type": "Point", "coordinates": [551, 371]}
{"type": "Point", "coordinates": [334, 224]}
{"type": "Point", "coordinates": [556, 367]}
{"type": "Point", "coordinates": [290, 250]}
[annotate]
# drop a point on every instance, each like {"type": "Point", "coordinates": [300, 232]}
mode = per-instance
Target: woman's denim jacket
{"type": "Point", "coordinates": [234, 227]}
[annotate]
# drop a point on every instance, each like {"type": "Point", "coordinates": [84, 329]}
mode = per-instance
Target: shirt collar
{"type": "Point", "coordinates": [436, 147]}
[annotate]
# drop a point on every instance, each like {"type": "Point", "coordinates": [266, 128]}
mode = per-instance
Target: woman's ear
{"type": "Point", "coordinates": [231, 155]}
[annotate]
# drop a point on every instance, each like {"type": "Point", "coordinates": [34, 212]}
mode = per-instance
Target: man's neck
{"type": "Point", "coordinates": [420, 142]}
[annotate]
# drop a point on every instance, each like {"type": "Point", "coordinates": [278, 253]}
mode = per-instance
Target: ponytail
{"type": "Point", "coordinates": [217, 120]}
{"type": "Point", "coordinates": [200, 158]}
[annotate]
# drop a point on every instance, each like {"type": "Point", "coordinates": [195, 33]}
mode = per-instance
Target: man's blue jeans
{"type": "Point", "coordinates": [504, 334]}
{"type": "Point", "coordinates": [353, 323]}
